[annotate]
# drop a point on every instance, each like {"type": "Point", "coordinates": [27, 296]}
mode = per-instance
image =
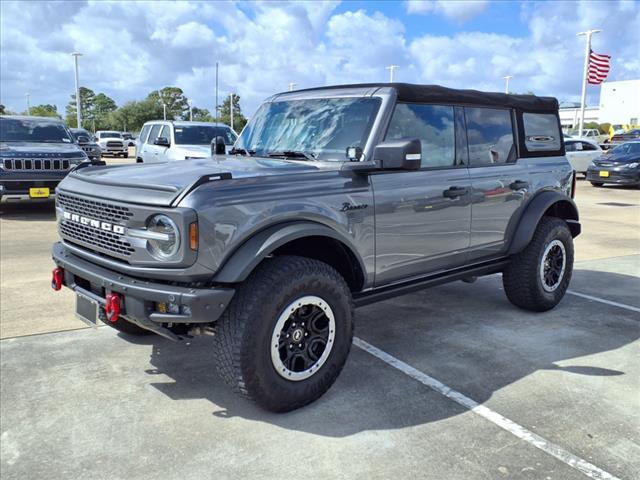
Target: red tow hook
{"type": "Point", "coordinates": [112, 308]}
{"type": "Point", "coordinates": [57, 278]}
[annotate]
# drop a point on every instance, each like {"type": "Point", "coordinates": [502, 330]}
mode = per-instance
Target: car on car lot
{"type": "Point", "coordinates": [167, 141]}
{"type": "Point", "coordinates": [129, 139]}
{"type": "Point", "coordinates": [87, 142]}
{"type": "Point", "coordinates": [36, 153]}
{"type": "Point", "coordinates": [626, 136]}
{"type": "Point", "coordinates": [620, 165]}
{"type": "Point", "coordinates": [581, 153]}
{"type": "Point", "coordinates": [331, 198]}
{"type": "Point", "coordinates": [112, 143]}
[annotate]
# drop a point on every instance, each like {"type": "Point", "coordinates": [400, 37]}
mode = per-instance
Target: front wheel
{"type": "Point", "coordinates": [537, 278]}
{"type": "Point", "coordinates": [597, 184]}
{"type": "Point", "coordinates": [126, 155]}
{"type": "Point", "coordinates": [286, 335]}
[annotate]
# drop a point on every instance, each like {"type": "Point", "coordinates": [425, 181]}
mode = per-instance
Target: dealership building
{"type": "Point", "coordinates": [619, 105]}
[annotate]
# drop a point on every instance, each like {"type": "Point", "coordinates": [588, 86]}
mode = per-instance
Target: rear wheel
{"type": "Point", "coordinates": [597, 184]}
{"type": "Point", "coordinates": [537, 278]}
{"type": "Point", "coordinates": [285, 337]}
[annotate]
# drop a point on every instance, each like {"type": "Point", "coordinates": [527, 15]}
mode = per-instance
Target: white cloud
{"type": "Point", "coordinates": [459, 10]}
{"type": "Point", "coordinates": [133, 48]}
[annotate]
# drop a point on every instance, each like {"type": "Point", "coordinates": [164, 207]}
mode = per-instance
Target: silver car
{"type": "Point", "coordinates": [167, 141]}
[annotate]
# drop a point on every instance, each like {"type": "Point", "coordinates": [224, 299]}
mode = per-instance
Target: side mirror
{"type": "Point", "coordinates": [402, 154]}
{"type": "Point", "coordinates": [218, 146]}
{"type": "Point", "coordinates": [162, 142]}
{"type": "Point", "coordinates": [83, 139]}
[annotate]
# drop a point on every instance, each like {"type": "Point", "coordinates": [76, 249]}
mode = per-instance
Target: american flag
{"type": "Point", "coordinates": [598, 68]}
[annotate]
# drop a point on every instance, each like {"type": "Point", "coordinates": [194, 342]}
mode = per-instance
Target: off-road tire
{"type": "Point", "coordinates": [521, 278]}
{"type": "Point", "coordinates": [127, 327]}
{"type": "Point", "coordinates": [597, 184]}
{"type": "Point", "coordinates": [244, 332]}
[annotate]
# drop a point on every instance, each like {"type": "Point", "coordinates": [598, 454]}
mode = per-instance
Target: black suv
{"type": "Point", "coordinates": [36, 153]}
{"type": "Point", "coordinates": [331, 198]}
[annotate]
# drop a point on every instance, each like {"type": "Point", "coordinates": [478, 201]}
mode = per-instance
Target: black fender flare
{"type": "Point", "coordinates": [247, 257]}
{"type": "Point", "coordinates": [534, 210]}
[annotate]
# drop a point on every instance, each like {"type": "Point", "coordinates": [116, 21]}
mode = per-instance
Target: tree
{"type": "Point", "coordinates": [199, 115]}
{"type": "Point", "coordinates": [87, 98]}
{"type": "Point", "coordinates": [132, 115]}
{"type": "Point", "coordinates": [102, 107]}
{"type": "Point", "coordinates": [174, 100]}
{"type": "Point", "coordinates": [239, 120]}
{"type": "Point", "coordinates": [2, 109]}
{"type": "Point", "coordinates": [44, 111]}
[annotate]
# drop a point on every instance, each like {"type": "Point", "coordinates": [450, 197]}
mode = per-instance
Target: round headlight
{"type": "Point", "coordinates": [167, 243]}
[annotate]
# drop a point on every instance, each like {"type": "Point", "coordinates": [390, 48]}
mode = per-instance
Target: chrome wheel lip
{"type": "Point", "coordinates": [277, 363]}
{"type": "Point", "coordinates": [543, 265]}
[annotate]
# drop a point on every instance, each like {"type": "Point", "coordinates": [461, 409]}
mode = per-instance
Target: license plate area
{"type": "Point", "coordinates": [87, 309]}
{"type": "Point", "coordinates": [604, 173]}
{"type": "Point", "coordinates": [39, 192]}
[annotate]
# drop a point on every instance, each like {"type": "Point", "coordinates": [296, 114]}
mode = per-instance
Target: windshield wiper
{"type": "Point", "coordinates": [293, 154]}
{"type": "Point", "coordinates": [241, 151]}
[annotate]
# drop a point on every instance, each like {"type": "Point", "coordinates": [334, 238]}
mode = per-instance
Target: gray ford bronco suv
{"type": "Point", "coordinates": [331, 198]}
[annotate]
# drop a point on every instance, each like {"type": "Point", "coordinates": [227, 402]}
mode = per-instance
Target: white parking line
{"type": "Point", "coordinates": [602, 300]}
{"type": "Point", "coordinates": [519, 431]}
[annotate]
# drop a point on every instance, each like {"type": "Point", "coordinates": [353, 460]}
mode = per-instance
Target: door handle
{"type": "Point", "coordinates": [519, 185]}
{"type": "Point", "coordinates": [453, 192]}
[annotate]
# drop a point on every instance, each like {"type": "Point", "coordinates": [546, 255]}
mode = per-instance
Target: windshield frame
{"type": "Point", "coordinates": [61, 126]}
{"type": "Point", "coordinates": [373, 135]}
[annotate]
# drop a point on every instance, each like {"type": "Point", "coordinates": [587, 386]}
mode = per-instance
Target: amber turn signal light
{"type": "Point", "coordinates": [193, 236]}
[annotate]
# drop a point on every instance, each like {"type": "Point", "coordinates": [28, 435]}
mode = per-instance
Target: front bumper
{"type": "Point", "coordinates": [140, 296]}
{"type": "Point", "coordinates": [15, 189]}
{"type": "Point", "coordinates": [618, 176]}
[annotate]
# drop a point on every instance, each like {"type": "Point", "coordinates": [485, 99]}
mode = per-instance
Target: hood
{"type": "Point", "coordinates": [40, 149]}
{"type": "Point", "coordinates": [618, 158]}
{"type": "Point", "coordinates": [161, 183]}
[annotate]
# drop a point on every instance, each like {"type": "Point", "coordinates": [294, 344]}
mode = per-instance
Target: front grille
{"type": "Point", "coordinates": [114, 144]}
{"type": "Point", "coordinates": [88, 149]}
{"type": "Point", "coordinates": [35, 164]}
{"type": "Point", "coordinates": [94, 209]}
{"type": "Point", "coordinates": [108, 241]}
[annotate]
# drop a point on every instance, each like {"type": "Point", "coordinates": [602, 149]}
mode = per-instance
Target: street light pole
{"type": "Point", "coordinates": [27, 95]}
{"type": "Point", "coordinates": [292, 86]}
{"type": "Point", "coordinates": [231, 108]}
{"type": "Point", "coordinates": [75, 56]}
{"type": "Point", "coordinates": [164, 110]}
{"type": "Point", "coordinates": [391, 69]}
{"type": "Point", "coordinates": [190, 102]}
{"type": "Point", "coordinates": [587, 52]}
{"type": "Point", "coordinates": [506, 87]}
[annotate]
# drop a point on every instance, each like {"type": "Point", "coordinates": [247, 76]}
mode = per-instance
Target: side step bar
{"type": "Point", "coordinates": [383, 293]}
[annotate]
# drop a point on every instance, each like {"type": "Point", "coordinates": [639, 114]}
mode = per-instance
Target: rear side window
{"type": "Point", "coordinates": [433, 125]}
{"type": "Point", "coordinates": [541, 132]}
{"type": "Point", "coordinates": [489, 136]}
{"type": "Point", "coordinates": [166, 132]}
{"type": "Point", "coordinates": [154, 133]}
{"type": "Point", "coordinates": [588, 146]}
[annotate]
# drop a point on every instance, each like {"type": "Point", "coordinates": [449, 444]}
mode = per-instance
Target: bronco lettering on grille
{"type": "Point", "coordinates": [90, 222]}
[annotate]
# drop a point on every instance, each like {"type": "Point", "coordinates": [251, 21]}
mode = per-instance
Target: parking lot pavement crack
{"type": "Point", "coordinates": [510, 426]}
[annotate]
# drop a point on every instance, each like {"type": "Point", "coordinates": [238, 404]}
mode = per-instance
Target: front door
{"type": "Point", "coordinates": [423, 217]}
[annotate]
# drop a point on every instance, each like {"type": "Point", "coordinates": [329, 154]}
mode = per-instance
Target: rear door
{"type": "Point", "coordinates": [423, 216]}
{"type": "Point", "coordinates": [499, 182]}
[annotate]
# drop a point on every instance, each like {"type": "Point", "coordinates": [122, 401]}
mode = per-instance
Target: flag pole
{"type": "Point", "coordinates": [583, 100]}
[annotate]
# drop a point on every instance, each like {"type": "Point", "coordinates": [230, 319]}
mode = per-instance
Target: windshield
{"type": "Point", "coordinates": [627, 148]}
{"type": "Point", "coordinates": [322, 127]}
{"type": "Point", "coordinates": [202, 134]}
{"type": "Point", "coordinates": [80, 133]}
{"type": "Point", "coordinates": [32, 130]}
{"type": "Point", "coordinates": [110, 135]}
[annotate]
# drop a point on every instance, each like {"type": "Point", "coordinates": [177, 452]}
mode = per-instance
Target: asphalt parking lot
{"type": "Point", "coordinates": [452, 382]}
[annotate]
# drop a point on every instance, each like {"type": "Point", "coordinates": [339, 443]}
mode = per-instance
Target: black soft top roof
{"type": "Point", "coordinates": [408, 92]}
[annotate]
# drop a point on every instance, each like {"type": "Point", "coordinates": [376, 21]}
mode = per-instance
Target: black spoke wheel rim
{"type": "Point", "coordinates": [302, 338]}
{"type": "Point", "coordinates": [553, 265]}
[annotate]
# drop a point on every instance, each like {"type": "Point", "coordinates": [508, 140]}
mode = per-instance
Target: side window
{"type": "Point", "coordinates": [588, 146]}
{"type": "Point", "coordinates": [541, 132]}
{"type": "Point", "coordinates": [489, 135]}
{"type": "Point", "coordinates": [433, 125]}
{"type": "Point", "coordinates": [166, 132]}
{"type": "Point", "coordinates": [570, 146]}
{"type": "Point", "coordinates": [144, 132]}
{"type": "Point", "coordinates": [229, 136]}
{"type": "Point", "coordinates": [154, 133]}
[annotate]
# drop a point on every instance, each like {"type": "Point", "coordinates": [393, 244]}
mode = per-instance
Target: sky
{"type": "Point", "coordinates": [131, 48]}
